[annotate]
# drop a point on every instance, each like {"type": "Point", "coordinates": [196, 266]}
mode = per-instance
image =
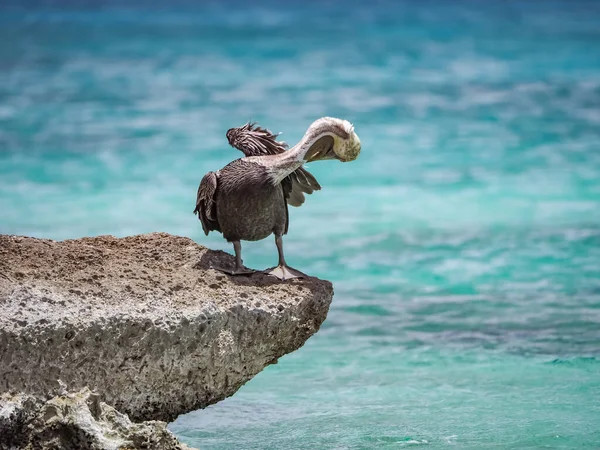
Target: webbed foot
{"type": "Point", "coordinates": [285, 273]}
{"type": "Point", "coordinates": [236, 271]}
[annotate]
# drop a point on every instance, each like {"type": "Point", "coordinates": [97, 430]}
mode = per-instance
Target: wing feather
{"type": "Point", "coordinates": [296, 198]}
{"type": "Point", "coordinates": [253, 140]}
{"type": "Point", "coordinates": [206, 203]}
{"type": "Point", "coordinates": [312, 181]}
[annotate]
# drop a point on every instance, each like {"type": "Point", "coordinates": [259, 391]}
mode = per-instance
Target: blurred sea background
{"type": "Point", "coordinates": [463, 244]}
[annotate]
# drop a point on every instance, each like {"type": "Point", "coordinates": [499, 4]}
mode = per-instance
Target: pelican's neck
{"type": "Point", "coordinates": [317, 130]}
{"type": "Point", "coordinates": [280, 166]}
{"type": "Point", "coordinates": [298, 152]}
{"type": "Point", "coordinates": [309, 149]}
{"type": "Point", "coordinates": [283, 164]}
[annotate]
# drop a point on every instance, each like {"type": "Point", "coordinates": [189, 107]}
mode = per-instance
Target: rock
{"type": "Point", "coordinates": [16, 413]}
{"type": "Point", "coordinates": [143, 321]}
{"type": "Point", "coordinates": [76, 421]}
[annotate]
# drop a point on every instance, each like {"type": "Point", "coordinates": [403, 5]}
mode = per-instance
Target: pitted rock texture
{"type": "Point", "coordinates": [74, 422]}
{"type": "Point", "coordinates": [144, 321]}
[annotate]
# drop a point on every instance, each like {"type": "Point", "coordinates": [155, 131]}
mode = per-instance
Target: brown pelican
{"type": "Point", "coordinates": [248, 198]}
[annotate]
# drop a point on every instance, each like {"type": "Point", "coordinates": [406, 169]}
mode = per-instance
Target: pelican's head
{"type": "Point", "coordinates": [332, 138]}
{"type": "Point", "coordinates": [347, 149]}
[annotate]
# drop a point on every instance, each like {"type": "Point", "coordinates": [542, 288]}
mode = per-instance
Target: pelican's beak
{"type": "Point", "coordinates": [322, 155]}
{"type": "Point", "coordinates": [321, 150]}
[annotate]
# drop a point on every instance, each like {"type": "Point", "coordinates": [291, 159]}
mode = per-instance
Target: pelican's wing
{"type": "Point", "coordinates": [206, 203]}
{"type": "Point", "coordinates": [303, 182]}
{"type": "Point", "coordinates": [253, 140]}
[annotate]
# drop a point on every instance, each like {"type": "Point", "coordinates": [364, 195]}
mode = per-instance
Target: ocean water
{"type": "Point", "coordinates": [463, 244]}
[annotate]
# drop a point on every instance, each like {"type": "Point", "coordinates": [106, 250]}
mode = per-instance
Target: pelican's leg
{"type": "Point", "coordinates": [283, 271]}
{"type": "Point", "coordinates": [239, 267]}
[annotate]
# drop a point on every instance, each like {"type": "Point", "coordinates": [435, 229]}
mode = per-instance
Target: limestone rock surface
{"type": "Point", "coordinates": [143, 321]}
{"type": "Point", "coordinates": [74, 422]}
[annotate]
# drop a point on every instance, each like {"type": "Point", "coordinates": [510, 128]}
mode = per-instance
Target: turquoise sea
{"type": "Point", "coordinates": [463, 244]}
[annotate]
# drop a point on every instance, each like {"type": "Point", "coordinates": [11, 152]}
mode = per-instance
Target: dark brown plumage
{"type": "Point", "coordinates": [248, 198]}
{"type": "Point", "coordinates": [242, 202]}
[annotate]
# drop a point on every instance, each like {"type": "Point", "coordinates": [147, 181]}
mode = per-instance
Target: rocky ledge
{"type": "Point", "coordinates": [143, 322]}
